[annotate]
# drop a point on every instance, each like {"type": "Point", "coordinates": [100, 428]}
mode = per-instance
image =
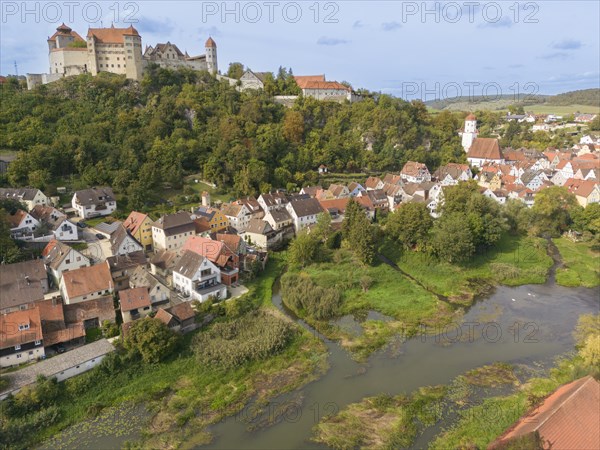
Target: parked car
{"type": "Point", "coordinates": [60, 348]}
{"type": "Point", "coordinates": [82, 224]}
{"type": "Point", "coordinates": [100, 236]}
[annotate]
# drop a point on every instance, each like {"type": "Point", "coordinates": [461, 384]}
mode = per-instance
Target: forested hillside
{"type": "Point", "coordinates": [106, 130]}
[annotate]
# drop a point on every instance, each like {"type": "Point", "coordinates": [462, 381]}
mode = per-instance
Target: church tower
{"type": "Point", "coordinates": [470, 132]}
{"type": "Point", "coordinates": [211, 56]}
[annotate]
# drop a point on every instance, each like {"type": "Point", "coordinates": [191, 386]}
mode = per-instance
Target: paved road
{"type": "Point", "coordinates": [98, 249]}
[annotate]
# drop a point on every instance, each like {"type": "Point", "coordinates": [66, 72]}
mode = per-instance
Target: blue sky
{"type": "Point", "coordinates": [545, 46]}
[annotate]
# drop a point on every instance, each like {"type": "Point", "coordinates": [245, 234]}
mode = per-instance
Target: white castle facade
{"type": "Point", "coordinates": [114, 50]}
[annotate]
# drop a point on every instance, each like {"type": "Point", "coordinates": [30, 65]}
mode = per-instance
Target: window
{"type": "Point", "coordinates": [24, 326]}
{"type": "Point", "coordinates": [23, 307]}
{"type": "Point", "coordinates": [38, 342]}
{"type": "Point", "coordinates": [68, 261]}
{"type": "Point", "coordinates": [17, 347]}
{"type": "Point", "coordinates": [19, 355]}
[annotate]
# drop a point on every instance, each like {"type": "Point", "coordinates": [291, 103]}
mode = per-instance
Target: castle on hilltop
{"type": "Point", "coordinates": [114, 50]}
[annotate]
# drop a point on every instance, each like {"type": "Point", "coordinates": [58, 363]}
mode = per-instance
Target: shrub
{"type": "Point", "coordinates": [255, 336]}
{"type": "Point", "coordinates": [301, 294]}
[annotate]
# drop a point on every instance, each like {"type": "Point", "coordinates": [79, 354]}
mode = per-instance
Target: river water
{"type": "Point", "coordinates": [529, 325]}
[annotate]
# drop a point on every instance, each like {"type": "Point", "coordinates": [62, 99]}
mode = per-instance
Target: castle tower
{"type": "Point", "coordinates": [211, 56]}
{"type": "Point", "coordinates": [205, 198]}
{"type": "Point", "coordinates": [470, 132]}
{"type": "Point", "coordinates": [132, 43]}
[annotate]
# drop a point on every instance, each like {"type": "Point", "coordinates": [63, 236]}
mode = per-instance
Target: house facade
{"type": "Point", "coordinates": [139, 226]}
{"type": "Point", "coordinates": [196, 278]}
{"type": "Point", "coordinates": [60, 258]}
{"type": "Point", "coordinates": [304, 212]}
{"type": "Point", "coordinates": [86, 283]}
{"type": "Point", "coordinates": [94, 202]}
{"type": "Point", "coordinates": [171, 231]}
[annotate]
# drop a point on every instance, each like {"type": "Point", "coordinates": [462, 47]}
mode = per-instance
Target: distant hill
{"type": "Point", "coordinates": [589, 98]}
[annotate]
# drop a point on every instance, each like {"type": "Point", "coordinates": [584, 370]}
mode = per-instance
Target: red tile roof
{"type": "Point", "coordinates": [112, 35]}
{"type": "Point", "coordinates": [11, 335]}
{"type": "Point", "coordinates": [87, 280]}
{"type": "Point", "coordinates": [134, 298]}
{"type": "Point", "coordinates": [134, 221]}
{"type": "Point", "coordinates": [568, 419]}
{"type": "Point", "coordinates": [485, 148]}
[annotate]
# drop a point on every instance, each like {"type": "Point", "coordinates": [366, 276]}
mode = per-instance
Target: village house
{"type": "Point", "coordinates": [209, 219]}
{"type": "Point", "coordinates": [232, 241]}
{"type": "Point", "coordinates": [60, 258]}
{"type": "Point", "coordinates": [86, 283]}
{"type": "Point", "coordinates": [61, 367]}
{"type": "Point", "coordinates": [21, 338]}
{"type": "Point", "coordinates": [197, 278]}
{"type": "Point", "coordinates": [56, 222]}
{"type": "Point", "coordinates": [374, 183]}
{"type": "Point", "coordinates": [315, 86]}
{"type": "Point", "coordinates": [377, 198]}
{"type": "Point", "coordinates": [55, 329]}
{"type": "Point", "coordinates": [171, 231]}
{"type": "Point", "coordinates": [415, 172]}
{"type": "Point", "coordinates": [121, 267]}
{"type": "Point", "coordinates": [27, 196]}
{"type": "Point", "coordinates": [162, 263]}
{"type": "Point", "coordinates": [157, 290]}
{"type": "Point", "coordinates": [179, 318]}
{"type": "Point", "coordinates": [91, 313]}
{"type": "Point", "coordinates": [336, 208]}
{"type": "Point", "coordinates": [586, 191]}
{"type": "Point", "coordinates": [218, 253]}
{"type": "Point", "coordinates": [94, 202]}
{"type": "Point", "coordinates": [279, 219]}
{"type": "Point", "coordinates": [484, 150]}
{"type": "Point", "coordinates": [22, 284]}
{"type": "Point", "coordinates": [123, 243]}
{"type": "Point", "coordinates": [311, 191]}
{"type": "Point", "coordinates": [355, 189]}
{"type": "Point", "coordinates": [252, 80]}
{"type": "Point", "coordinates": [452, 173]}
{"type": "Point", "coordinates": [303, 212]}
{"type": "Point", "coordinates": [395, 195]}
{"type": "Point", "coordinates": [22, 225]}
{"type": "Point", "coordinates": [259, 233]}
{"type": "Point", "coordinates": [237, 214]}
{"type": "Point", "coordinates": [139, 225]}
{"type": "Point", "coordinates": [135, 304]}
{"type": "Point", "coordinates": [272, 201]}
{"type": "Point", "coordinates": [533, 179]}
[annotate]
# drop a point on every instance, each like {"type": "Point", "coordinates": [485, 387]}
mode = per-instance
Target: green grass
{"type": "Point", "coordinates": [215, 194]}
{"type": "Point", "coordinates": [543, 108]}
{"type": "Point", "coordinates": [581, 264]}
{"type": "Point", "coordinates": [98, 220]}
{"type": "Point", "coordinates": [391, 293]}
{"type": "Point", "coordinates": [513, 261]}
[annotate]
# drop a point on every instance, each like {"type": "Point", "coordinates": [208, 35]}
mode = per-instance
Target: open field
{"type": "Point", "coordinates": [581, 264]}
{"type": "Point", "coordinates": [503, 104]}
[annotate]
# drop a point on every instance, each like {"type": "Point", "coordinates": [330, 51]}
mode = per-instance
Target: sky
{"type": "Point", "coordinates": [409, 49]}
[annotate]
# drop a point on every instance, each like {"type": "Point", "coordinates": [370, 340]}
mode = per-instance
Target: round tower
{"type": "Point", "coordinates": [211, 56]}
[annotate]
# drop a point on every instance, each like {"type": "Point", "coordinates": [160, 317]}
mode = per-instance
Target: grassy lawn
{"type": "Point", "coordinates": [391, 293]}
{"type": "Point", "coordinates": [581, 264]}
{"type": "Point", "coordinates": [514, 261]}
{"type": "Point", "coordinates": [408, 305]}
{"type": "Point", "coordinates": [184, 397]}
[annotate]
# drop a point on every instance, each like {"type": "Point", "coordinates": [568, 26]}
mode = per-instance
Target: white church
{"type": "Point", "coordinates": [480, 151]}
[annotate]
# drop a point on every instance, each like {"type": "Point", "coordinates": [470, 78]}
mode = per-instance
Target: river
{"type": "Point", "coordinates": [529, 325]}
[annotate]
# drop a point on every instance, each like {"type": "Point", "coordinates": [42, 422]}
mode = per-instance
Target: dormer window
{"type": "Point", "coordinates": [23, 326]}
